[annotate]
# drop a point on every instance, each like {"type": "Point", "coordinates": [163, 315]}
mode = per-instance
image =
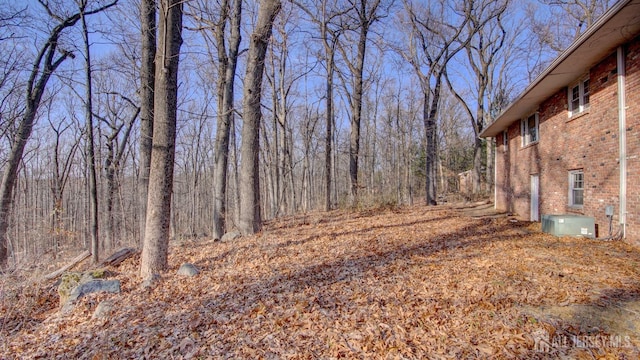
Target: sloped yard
{"type": "Point", "coordinates": [410, 283]}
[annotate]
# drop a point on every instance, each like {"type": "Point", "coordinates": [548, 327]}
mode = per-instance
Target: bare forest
{"type": "Point", "coordinates": [130, 123]}
{"type": "Point", "coordinates": [285, 179]}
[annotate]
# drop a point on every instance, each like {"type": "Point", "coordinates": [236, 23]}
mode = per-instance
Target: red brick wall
{"type": "Point", "coordinates": [588, 141]}
{"type": "Point", "coordinates": [633, 140]}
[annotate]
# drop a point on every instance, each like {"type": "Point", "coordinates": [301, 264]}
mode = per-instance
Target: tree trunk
{"type": "Point", "coordinates": [110, 176]}
{"type": "Point", "coordinates": [431, 136]}
{"type": "Point", "coordinates": [233, 146]}
{"type": "Point", "coordinates": [477, 166]}
{"type": "Point", "coordinates": [250, 218]}
{"type": "Point", "coordinates": [356, 114]}
{"type": "Point", "coordinates": [10, 175]}
{"type": "Point", "coordinates": [288, 163]}
{"type": "Point", "coordinates": [329, 126]}
{"type": "Point", "coordinates": [477, 149]}
{"type": "Point", "coordinates": [91, 157]}
{"type": "Point", "coordinates": [284, 171]}
{"type": "Point", "coordinates": [147, 85]}
{"type": "Point", "coordinates": [156, 240]}
{"type": "Point", "coordinates": [490, 165]}
{"type": "Point", "coordinates": [228, 64]}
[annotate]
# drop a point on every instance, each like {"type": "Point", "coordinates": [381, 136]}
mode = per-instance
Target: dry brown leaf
{"type": "Point", "coordinates": [413, 283]}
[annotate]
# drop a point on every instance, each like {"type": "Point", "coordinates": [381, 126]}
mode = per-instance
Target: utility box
{"type": "Point", "coordinates": [569, 225]}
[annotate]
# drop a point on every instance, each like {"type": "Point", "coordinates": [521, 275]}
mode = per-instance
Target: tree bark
{"type": "Point", "coordinates": [147, 85]}
{"type": "Point", "coordinates": [250, 217]}
{"type": "Point", "coordinates": [366, 13]}
{"type": "Point", "coordinates": [477, 149]}
{"type": "Point", "coordinates": [328, 147]}
{"type": "Point", "coordinates": [356, 106]}
{"type": "Point", "coordinates": [228, 64]}
{"type": "Point", "coordinates": [431, 137]}
{"type": "Point", "coordinates": [156, 241]}
{"type": "Point", "coordinates": [91, 157]}
{"type": "Point", "coordinates": [490, 166]}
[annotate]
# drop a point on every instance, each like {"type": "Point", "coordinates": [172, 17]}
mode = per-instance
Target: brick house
{"type": "Point", "coordinates": [570, 143]}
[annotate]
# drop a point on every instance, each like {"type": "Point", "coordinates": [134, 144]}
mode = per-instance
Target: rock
{"type": "Point", "coordinates": [230, 236]}
{"type": "Point", "coordinates": [68, 282]}
{"type": "Point", "coordinates": [188, 270]}
{"type": "Point", "coordinates": [74, 285]}
{"type": "Point", "coordinates": [94, 286]}
{"type": "Point", "coordinates": [98, 274]}
{"type": "Point", "coordinates": [103, 309]}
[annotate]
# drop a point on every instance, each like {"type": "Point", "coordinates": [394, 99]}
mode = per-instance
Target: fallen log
{"type": "Point", "coordinates": [118, 257]}
{"type": "Point", "coordinates": [73, 263]}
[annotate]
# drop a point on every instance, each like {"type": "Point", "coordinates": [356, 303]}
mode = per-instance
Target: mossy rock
{"type": "Point", "coordinates": [68, 282]}
{"type": "Point", "coordinates": [97, 273]}
{"type": "Point", "coordinates": [72, 279]}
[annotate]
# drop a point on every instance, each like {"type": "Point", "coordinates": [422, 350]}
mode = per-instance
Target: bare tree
{"type": "Point", "coordinates": [397, 142]}
{"type": "Point", "coordinates": [439, 31]}
{"type": "Point", "coordinates": [62, 166]}
{"type": "Point", "coordinates": [483, 51]}
{"type": "Point", "coordinates": [115, 107]}
{"type": "Point", "coordinates": [576, 15]}
{"type": "Point", "coordinates": [365, 13]}
{"type": "Point", "coordinates": [48, 59]}
{"type": "Point", "coordinates": [282, 75]}
{"type": "Point", "coordinates": [147, 86]}
{"type": "Point", "coordinates": [225, 112]}
{"type": "Point", "coordinates": [327, 15]}
{"type": "Point", "coordinates": [227, 44]}
{"type": "Point", "coordinates": [250, 217]}
{"type": "Point", "coordinates": [91, 156]}
{"type": "Point", "coordinates": [11, 60]}
{"type": "Point", "coordinates": [156, 240]}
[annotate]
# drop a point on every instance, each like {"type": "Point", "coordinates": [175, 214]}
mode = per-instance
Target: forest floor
{"type": "Point", "coordinates": [450, 282]}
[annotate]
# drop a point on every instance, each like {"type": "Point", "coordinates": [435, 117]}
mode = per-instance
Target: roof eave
{"type": "Point", "coordinates": [612, 29]}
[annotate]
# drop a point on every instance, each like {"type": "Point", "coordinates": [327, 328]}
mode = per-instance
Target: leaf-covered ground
{"type": "Point", "coordinates": [403, 283]}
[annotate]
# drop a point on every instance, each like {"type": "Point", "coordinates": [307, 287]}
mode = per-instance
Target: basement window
{"type": "Point", "coordinates": [529, 129]}
{"type": "Point", "coordinates": [576, 188]}
{"type": "Point", "coordinates": [579, 97]}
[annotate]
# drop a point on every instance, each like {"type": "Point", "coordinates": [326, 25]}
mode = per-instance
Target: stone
{"type": "Point", "coordinates": [68, 282]}
{"type": "Point", "coordinates": [71, 280]}
{"type": "Point", "coordinates": [188, 270]}
{"type": "Point", "coordinates": [230, 236]}
{"type": "Point", "coordinates": [94, 286]}
{"type": "Point", "coordinates": [103, 309]}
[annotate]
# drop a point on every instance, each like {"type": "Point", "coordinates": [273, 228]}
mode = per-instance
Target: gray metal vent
{"type": "Point", "coordinates": [569, 225]}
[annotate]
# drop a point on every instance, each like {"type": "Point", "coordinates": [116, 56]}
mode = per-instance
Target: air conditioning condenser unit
{"type": "Point", "coordinates": [569, 225]}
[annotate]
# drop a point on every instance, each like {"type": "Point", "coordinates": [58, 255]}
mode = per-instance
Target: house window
{"type": "Point", "coordinates": [529, 129]}
{"type": "Point", "coordinates": [576, 188]}
{"type": "Point", "coordinates": [579, 97]}
{"type": "Point", "coordinates": [505, 140]}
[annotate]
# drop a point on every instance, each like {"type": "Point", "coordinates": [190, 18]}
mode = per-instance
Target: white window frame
{"type": "Point", "coordinates": [572, 187]}
{"type": "Point", "coordinates": [526, 131]}
{"type": "Point", "coordinates": [581, 89]}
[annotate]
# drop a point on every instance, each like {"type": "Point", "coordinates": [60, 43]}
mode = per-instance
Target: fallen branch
{"type": "Point", "coordinates": [119, 256]}
{"type": "Point", "coordinates": [73, 263]}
